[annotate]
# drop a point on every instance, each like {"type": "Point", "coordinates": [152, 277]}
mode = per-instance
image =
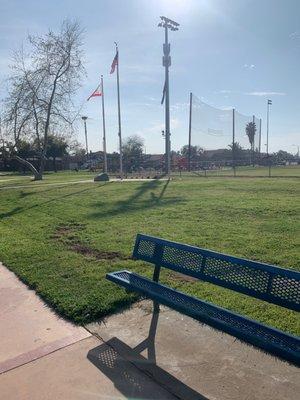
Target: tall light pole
{"type": "Point", "coordinates": [269, 103]}
{"type": "Point", "coordinates": [190, 132]}
{"type": "Point", "coordinates": [167, 23]}
{"type": "Point", "coordinates": [233, 142]}
{"type": "Point", "coordinates": [86, 138]}
{"type": "Point", "coordinates": [259, 140]}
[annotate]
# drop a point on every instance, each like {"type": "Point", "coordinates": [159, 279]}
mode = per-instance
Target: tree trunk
{"type": "Point", "coordinates": [36, 173]}
{"type": "Point", "coordinates": [42, 166]}
{"type": "Point", "coordinates": [54, 164]}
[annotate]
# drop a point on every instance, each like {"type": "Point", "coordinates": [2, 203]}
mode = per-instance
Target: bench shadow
{"type": "Point", "coordinates": [133, 374]}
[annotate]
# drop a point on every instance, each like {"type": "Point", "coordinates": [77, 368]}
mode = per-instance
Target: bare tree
{"type": "Point", "coordinates": [42, 85]}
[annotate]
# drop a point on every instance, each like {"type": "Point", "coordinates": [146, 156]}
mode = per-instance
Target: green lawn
{"type": "Point", "coordinates": [51, 177]}
{"type": "Point", "coordinates": [61, 240]}
{"type": "Point", "coordinates": [248, 171]}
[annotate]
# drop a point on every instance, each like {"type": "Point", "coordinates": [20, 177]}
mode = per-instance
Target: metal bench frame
{"type": "Point", "coordinates": [265, 282]}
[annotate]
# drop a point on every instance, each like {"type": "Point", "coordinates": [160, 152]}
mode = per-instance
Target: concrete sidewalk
{"type": "Point", "coordinates": [28, 328]}
{"type": "Point", "coordinates": [136, 354]}
{"type": "Point", "coordinates": [43, 357]}
{"type": "Point", "coordinates": [192, 360]}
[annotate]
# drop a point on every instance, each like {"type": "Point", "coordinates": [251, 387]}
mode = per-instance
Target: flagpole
{"type": "Point", "coordinates": [119, 115]}
{"type": "Point", "coordinates": [104, 133]}
{"type": "Point", "coordinates": [259, 143]}
{"type": "Point", "coordinates": [233, 142]}
{"type": "Point", "coordinates": [190, 132]}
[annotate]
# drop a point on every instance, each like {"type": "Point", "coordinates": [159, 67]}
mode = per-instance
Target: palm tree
{"type": "Point", "coordinates": [250, 132]}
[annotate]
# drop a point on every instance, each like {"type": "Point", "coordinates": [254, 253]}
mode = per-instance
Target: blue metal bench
{"type": "Point", "coordinates": [266, 282]}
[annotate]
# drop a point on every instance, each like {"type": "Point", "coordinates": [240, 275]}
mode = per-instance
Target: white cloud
{"type": "Point", "coordinates": [175, 123]}
{"type": "Point", "coordinates": [295, 35]}
{"type": "Point", "coordinates": [179, 106]}
{"type": "Point", "coordinates": [143, 104]}
{"type": "Point", "coordinates": [156, 99]}
{"type": "Point", "coordinates": [157, 128]}
{"type": "Point", "coordinates": [225, 91]}
{"type": "Point", "coordinates": [249, 66]}
{"type": "Point", "coordinates": [254, 93]}
{"type": "Point", "coordinates": [265, 94]}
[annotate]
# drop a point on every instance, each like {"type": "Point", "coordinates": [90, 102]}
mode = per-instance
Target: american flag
{"type": "Point", "coordinates": [114, 63]}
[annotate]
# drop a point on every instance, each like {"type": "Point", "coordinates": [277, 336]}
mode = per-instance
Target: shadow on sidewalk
{"type": "Point", "coordinates": [134, 375]}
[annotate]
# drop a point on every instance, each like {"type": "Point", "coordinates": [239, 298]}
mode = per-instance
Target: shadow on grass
{"type": "Point", "coordinates": [136, 376]}
{"type": "Point", "coordinates": [135, 201]}
{"type": "Point", "coordinates": [19, 210]}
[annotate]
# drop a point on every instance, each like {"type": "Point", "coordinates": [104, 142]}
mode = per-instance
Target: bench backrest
{"type": "Point", "coordinates": [266, 282]}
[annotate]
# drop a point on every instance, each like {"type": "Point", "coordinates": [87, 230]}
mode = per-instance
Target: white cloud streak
{"type": "Point", "coordinates": [249, 66]}
{"type": "Point", "coordinates": [265, 94]}
{"type": "Point", "coordinates": [295, 35]}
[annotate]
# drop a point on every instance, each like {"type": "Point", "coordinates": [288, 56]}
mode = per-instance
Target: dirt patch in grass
{"type": "Point", "coordinates": [98, 254]}
{"type": "Point", "coordinates": [66, 233]}
{"type": "Point", "coordinates": [177, 276]}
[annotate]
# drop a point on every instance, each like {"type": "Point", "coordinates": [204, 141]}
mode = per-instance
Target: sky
{"type": "Point", "coordinates": [228, 53]}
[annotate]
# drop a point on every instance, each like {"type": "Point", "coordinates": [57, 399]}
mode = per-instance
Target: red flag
{"type": "Point", "coordinates": [114, 63]}
{"type": "Point", "coordinates": [96, 93]}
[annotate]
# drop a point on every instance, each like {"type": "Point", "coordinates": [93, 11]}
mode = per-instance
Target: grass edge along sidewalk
{"type": "Point", "coordinates": [62, 240]}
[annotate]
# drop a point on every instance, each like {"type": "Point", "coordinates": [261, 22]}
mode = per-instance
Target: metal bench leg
{"type": "Point", "coordinates": [155, 279]}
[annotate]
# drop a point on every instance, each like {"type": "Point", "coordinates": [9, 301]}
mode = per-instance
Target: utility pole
{"type": "Point", "coordinates": [233, 141]}
{"type": "Point", "coordinates": [104, 134]}
{"type": "Point", "coordinates": [190, 131]}
{"type": "Point", "coordinates": [269, 103]}
{"type": "Point", "coordinates": [167, 23]}
{"type": "Point", "coordinates": [259, 140]}
{"type": "Point", "coordinates": [86, 138]}
{"type": "Point", "coordinates": [253, 144]}
{"type": "Point", "coordinates": [268, 116]}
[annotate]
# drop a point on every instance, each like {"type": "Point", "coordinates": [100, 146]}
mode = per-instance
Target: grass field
{"type": "Point", "coordinates": [248, 171]}
{"type": "Point", "coordinates": [61, 239]}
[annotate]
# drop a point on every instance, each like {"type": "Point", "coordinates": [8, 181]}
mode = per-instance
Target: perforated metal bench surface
{"type": "Point", "coordinates": [263, 281]}
{"type": "Point", "coordinates": [270, 339]}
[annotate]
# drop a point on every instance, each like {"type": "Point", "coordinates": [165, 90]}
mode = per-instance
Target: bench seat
{"type": "Point", "coordinates": [265, 337]}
